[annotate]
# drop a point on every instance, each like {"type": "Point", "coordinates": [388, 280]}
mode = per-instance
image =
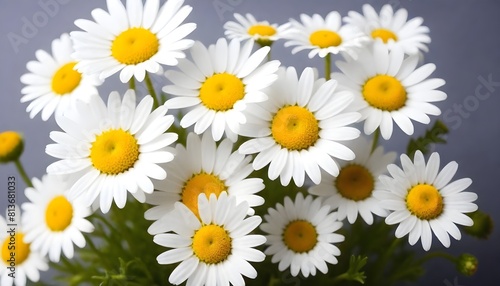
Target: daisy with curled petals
{"type": "Point", "coordinates": [297, 130]}
{"type": "Point", "coordinates": [20, 262]}
{"type": "Point", "coordinates": [392, 28]}
{"type": "Point", "coordinates": [214, 249]}
{"type": "Point", "coordinates": [351, 192]}
{"type": "Point", "coordinates": [324, 36]}
{"type": "Point", "coordinates": [218, 85]}
{"type": "Point", "coordinates": [301, 235]}
{"type": "Point", "coordinates": [422, 199]}
{"type": "Point", "coordinates": [248, 27]}
{"type": "Point", "coordinates": [389, 87]}
{"type": "Point", "coordinates": [203, 168]}
{"type": "Point", "coordinates": [114, 149]}
{"type": "Point", "coordinates": [52, 222]}
{"type": "Point", "coordinates": [133, 39]}
{"type": "Point", "coordinates": [52, 83]}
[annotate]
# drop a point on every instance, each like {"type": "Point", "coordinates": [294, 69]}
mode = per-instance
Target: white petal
{"type": "Point", "coordinates": [440, 233]}
{"type": "Point", "coordinates": [253, 62]}
{"type": "Point", "coordinates": [184, 270]}
{"type": "Point", "coordinates": [446, 174]}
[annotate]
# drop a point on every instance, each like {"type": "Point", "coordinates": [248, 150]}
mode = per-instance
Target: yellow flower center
{"type": "Point", "coordinates": [66, 79]}
{"type": "Point", "coordinates": [325, 39]}
{"type": "Point", "coordinates": [59, 214]}
{"type": "Point", "coordinates": [114, 151]}
{"type": "Point", "coordinates": [202, 183]}
{"type": "Point", "coordinates": [221, 91]}
{"type": "Point", "coordinates": [264, 32]}
{"type": "Point", "coordinates": [134, 46]}
{"type": "Point", "coordinates": [424, 201]}
{"type": "Point", "coordinates": [384, 92]}
{"type": "Point", "coordinates": [14, 249]}
{"type": "Point", "coordinates": [295, 128]}
{"type": "Point", "coordinates": [211, 244]}
{"type": "Point", "coordinates": [355, 182]}
{"type": "Point", "coordinates": [11, 146]}
{"type": "Point", "coordinates": [261, 30]}
{"type": "Point", "coordinates": [300, 236]}
{"type": "Point", "coordinates": [384, 34]}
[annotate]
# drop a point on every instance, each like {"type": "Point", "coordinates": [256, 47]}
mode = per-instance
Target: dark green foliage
{"type": "Point", "coordinates": [433, 135]}
{"type": "Point", "coordinates": [118, 252]}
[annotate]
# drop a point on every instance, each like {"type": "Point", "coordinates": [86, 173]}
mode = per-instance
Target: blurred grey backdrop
{"type": "Point", "coordinates": [465, 47]}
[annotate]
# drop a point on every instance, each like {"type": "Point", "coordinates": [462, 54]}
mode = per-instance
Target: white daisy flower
{"type": "Point", "coordinates": [203, 168]}
{"type": "Point", "coordinates": [19, 261]}
{"type": "Point", "coordinates": [324, 36]}
{"type": "Point", "coordinates": [52, 83]}
{"type": "Point", "coordinates": [52, 223]}
{"type": "Point", "coordinates": [351, 192]}
{"type": "Point", "coordinates": [113, 149]}
{"type": "Point", "coordinates": [301, 235]}
{"type": "Point", "coordinates": [218, 84]}
{"type": "Point", "coordinates": [216, 250]}
{"type": "Point", "coordinates": [388, 87]}
{"type": "Point", "coordinates": [133, 39]}
{"type": "Point", "coordinates": [423, 199]}
{"type": "Point", "coordinates": [247, 27]}
{"type": "Point", "coordinates": [392, 28]}
{"type": "Point", "coordinates": [297, 130]}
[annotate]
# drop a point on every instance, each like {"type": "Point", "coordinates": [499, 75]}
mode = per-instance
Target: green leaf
{"type": "Point", "coordinates": [433, 135]}
{"type": "Point", "coordinates": [355, 265]}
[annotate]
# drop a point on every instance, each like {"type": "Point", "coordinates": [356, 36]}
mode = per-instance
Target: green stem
{"type": "Point", "coordinates": [131, 83]}
{"type": "Point", "coordinates": [273, 281]}
{"type": "Point", "coordinates": [106, 222]}
{"type": "Point", "coordinates": [102, 256]}
{"type": "Point", "coordinates": [328, 66]}
{"type": "Point", "coordinates": [376, 136]}
{"type": "Point", "coordinates": [140, 264]}
{"type": "Point", "coordinates": [151, 90]}
{"type": "Point", "coordinates": [66, 263]}
{"type": "Point", "coordinates": [384, 259]}
{"type": "Point", "coordinates": [23, 174]}
{"type": "Point", "coordinates": [432, 255]}
{"type": "Point", "coordinates": [341, 277]}
{"type": "Point", "coordinates": [397, 277]}
{"type": "Point", "coordinates": [409, 271]}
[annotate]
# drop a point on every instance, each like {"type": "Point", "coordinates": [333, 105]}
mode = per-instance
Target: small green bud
{"type": "Point", "coordinates": [467, 264]}
{"type": "Point", "coordinates": [11, 146]}
{"type": "Point", "coordinates": [482, 227]}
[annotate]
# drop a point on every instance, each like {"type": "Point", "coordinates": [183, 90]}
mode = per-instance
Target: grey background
{"type": "Point", "coordinates": [465, 47]}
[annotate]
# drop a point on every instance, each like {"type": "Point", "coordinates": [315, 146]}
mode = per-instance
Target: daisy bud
{"type": "Point", "coordinates": [467, 264]}
{"type": "Point", "coordinates": [482, 227]}
{"type": "Point", "coordinates": [11, 146]}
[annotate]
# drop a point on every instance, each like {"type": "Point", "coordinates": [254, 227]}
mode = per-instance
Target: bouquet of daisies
{"type": "Point", "coordinates": [234, 168]}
